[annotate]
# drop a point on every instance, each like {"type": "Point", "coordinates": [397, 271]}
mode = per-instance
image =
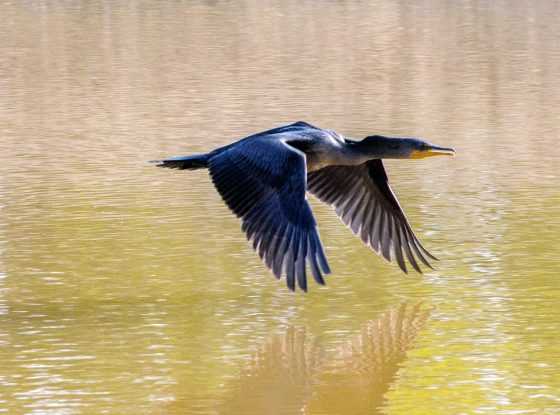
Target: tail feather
{"type": "Point", "coordinates": [197, 161]}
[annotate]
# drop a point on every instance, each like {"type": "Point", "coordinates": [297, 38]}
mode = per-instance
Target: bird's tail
{"type": "Point", "coordinates": [196, 161]}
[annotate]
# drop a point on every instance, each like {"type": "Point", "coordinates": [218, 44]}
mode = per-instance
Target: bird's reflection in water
{"type": "Point", "coordinates": [291, 374]}
{"type": "Point", "coordinates": [279, 378]}
{"type": "Point", "coordinates": [357, 379]}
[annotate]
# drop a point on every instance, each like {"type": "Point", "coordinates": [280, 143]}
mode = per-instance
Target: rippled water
{"type": "Point", "coordinates": [130, 289]}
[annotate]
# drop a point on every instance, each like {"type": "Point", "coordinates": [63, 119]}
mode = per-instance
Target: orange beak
{"type": "Point", "coordinates": [432, 151]}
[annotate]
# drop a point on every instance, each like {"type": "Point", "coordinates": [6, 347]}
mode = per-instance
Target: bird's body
{"type": "Point", "coordinates": [264, 178]}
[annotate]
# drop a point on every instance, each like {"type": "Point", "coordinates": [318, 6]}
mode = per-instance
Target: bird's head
{"type": "Point", "coordinates": [401, 148]}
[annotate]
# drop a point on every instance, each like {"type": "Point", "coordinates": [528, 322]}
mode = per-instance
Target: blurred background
{"type": "Point", "coordinates": [130, 289]}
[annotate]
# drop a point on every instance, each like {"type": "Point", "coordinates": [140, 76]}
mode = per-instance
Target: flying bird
{"type": "Point", "coordinates": [264, 178]}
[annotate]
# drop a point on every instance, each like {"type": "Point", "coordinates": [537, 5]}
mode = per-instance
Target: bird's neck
{"type": "Point", "coordinates": [356, 153]}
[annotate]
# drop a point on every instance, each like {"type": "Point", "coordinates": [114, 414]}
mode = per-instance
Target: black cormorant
{"type": "Point", "coordinates": [264, 178]}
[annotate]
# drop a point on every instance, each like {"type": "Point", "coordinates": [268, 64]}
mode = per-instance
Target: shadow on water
{"type": "Point", "coordinates": [292, 373]}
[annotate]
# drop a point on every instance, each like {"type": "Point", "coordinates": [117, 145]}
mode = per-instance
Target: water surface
{"type": "Point", "coordinates": [130, 289]}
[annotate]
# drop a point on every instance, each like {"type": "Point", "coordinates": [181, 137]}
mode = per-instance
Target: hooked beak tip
{"type": "Point", "coordinates": [449, 152]}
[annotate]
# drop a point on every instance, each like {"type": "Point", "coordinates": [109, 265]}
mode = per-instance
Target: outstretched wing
{"type": "Point", "coordinates": [365, 202]}
{"type": "Point", "coordinates": [264, 183]}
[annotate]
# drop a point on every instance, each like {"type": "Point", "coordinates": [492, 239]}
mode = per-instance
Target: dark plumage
{"type": "Point", "coordinates": [264, 178]}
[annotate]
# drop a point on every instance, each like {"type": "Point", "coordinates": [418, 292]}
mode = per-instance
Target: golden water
{"type": "Point", "coordinates": [126, 289]}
